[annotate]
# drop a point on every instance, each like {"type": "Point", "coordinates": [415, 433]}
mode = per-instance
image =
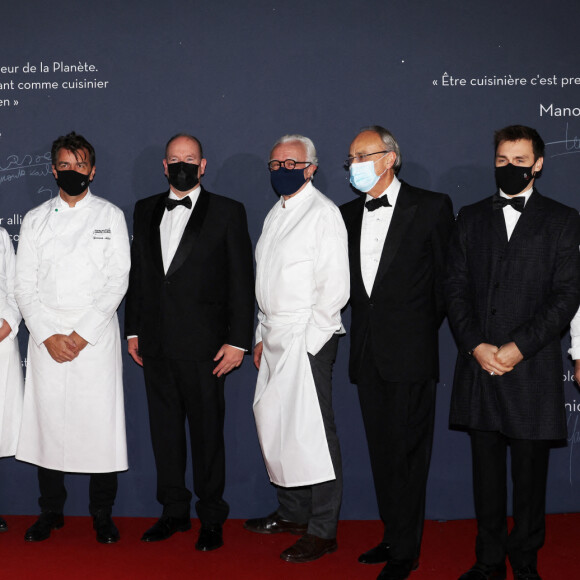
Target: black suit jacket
{"type": "Point", "coordinates": [526, 290]}
{"type": "Point", "coordinates": [206, 298]}
{"type": "Point", "coordinates": [398, 323]}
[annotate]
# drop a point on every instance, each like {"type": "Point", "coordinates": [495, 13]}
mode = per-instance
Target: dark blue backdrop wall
{"type": "Point", "coordinates": [441, 75]}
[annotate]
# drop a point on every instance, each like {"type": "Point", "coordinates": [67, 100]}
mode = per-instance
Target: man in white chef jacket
{"type": "Point", "coordinates": [302, 282]}
{"type": "Point", "coordinates": [11, 381]}
{"type": "Point", "coordinates": [72, 270]}
{"type": "Point", "coordinates": [574, 350]}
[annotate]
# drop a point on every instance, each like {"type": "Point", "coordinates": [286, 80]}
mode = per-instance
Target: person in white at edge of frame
{"type": "Point", "coordinates": [302, 282]}
{"type": "Point", "coordinates": [72, 269]}
{"type": "Point", "coordinates": [11, 381]}
{"type": "Point", "coordinates": [574, 351]}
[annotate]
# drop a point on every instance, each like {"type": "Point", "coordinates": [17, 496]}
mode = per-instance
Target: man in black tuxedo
{"type": "Point", "coordinates": [513, 285]}
{"type": "Point", "coordinates": [189, 320]}
{"type": "Point", "coordinates": [398, 237]}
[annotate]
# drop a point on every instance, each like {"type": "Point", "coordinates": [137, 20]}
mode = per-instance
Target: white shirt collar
{"type": "Point", "coordinates": [194, 194]}
{"type": "Point", "coordinates": [392, 192]}
{"type": "Point", "coordinates": [525, 194]}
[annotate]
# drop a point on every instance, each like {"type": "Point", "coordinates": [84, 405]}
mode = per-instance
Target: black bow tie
{"type": "Point", "coordinates": [171, 204]}
{"type": "Point", "coordinates": [518, 203]}
{"type": "Point", "coordinates": [377, 202]}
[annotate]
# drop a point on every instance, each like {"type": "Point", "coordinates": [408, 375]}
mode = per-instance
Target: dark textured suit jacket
{"type": "Point", "coordinates": [525, 290]}
{"type": "Point", "coordinates": [206, 298]}
{"type": "Point", "coordinates": [398, 323]}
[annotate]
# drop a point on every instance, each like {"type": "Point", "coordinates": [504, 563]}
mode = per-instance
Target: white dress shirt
{"type": "Point", "coordinates": [173, 225]}
{"type": "Point", "coordinates": [375, 226]}
{"type": "Point", "coordinates": [512, 215]}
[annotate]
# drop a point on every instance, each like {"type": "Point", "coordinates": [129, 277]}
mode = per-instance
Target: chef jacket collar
{"type": "Point", "coordinates": [292, 202]}
{"type": "Point", "coordinates": [62, 204]}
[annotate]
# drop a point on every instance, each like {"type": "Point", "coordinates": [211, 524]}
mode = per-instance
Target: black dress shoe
{"type": "Point", "coordinates": [210, 538]}
{"type": "Point", "coordinates": [377, 555]}
{"type": "Point", "coordinates": [526, 573]}
{"type": "Point", "coordinates": [3, 525]}
{"type": "Point", "coordinates": [107, 532]}
{"type": "Point", "coordinates": [309, 548]}
{"type": "Point", "coordinates": [164, 528]}
{"type": "Point", "coordinates": [483, 572]}
{"type": "Point", "coordinates": [397, 570]}
{"type": "Point", "coordinates": [380, 554]}
{"type": "Point", "coordinates": [274, 524]}
{"type": "Point", "coordinates": [41, 529]}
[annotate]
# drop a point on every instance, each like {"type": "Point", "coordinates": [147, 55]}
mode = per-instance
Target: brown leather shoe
{"type": "Point", "coordinates": [274, 524]}
{"type": "Point", "coordinates": [309, 548]}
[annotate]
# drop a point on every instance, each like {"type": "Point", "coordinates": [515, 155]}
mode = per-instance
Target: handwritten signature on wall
{"type": "Point", "coordinates": [16, 167]}
{"type": "Point", "coordinates": [570, 144]}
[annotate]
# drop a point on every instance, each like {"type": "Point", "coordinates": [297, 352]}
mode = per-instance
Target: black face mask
{"type": "Point", "coordinates": [182, 176]}
{"type": "Point", "coordinates": [287, 181]}
{"type": "Point", "coordinates": [72, 182]}
{"type": "Point", "coordinates": [513, 179]}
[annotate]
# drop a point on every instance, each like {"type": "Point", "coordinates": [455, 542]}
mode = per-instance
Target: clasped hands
{"type": "Point", "coordinates": [63, 347]}
{"type": "Point", "coordinates": [497, 360]}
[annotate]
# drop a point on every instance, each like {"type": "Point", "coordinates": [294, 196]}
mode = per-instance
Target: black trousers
{"type": "Point", "coordinates": [102, 491]}
{"type": "Point", "coordinates": [319, 504]}
{"type": "Point", "coordinates": [529, 471]}
{"type": "Point", "coordinates": [399, 419]}
{"type": "Point", "coordinates": [180, 391]}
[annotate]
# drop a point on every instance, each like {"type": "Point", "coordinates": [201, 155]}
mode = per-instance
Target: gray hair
{"type": "Point", "coordinates": [308, 146]}
{"type": "Point", "coordinates": [389, 140]}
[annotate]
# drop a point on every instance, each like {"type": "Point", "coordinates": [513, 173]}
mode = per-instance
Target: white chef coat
{"type": "Point", "coordinates": [302, 282]}
{"type": "Point", "coordinates": [11, 381]}
{"type": "Point", "coordinates": [72, 270]}
{"type": "Point", "coordinates": [574, 351]}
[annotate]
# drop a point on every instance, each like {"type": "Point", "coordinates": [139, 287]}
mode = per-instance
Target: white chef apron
{"type": "Point", "coordinates": [287, 410]}
{"type": "Point", "coordinates": [73, 417]}
{"type": "Point", "coordinates": [11, 393]}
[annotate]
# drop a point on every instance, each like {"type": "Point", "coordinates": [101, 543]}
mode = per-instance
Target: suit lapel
{"type": "Point", "coordinates": [191, 232]}
{"type": "Point", "coordinates": [403, 215]}
{"type": "Point", "coordinates": [354, 241]}
{"type": "Point", "coordinates": [497, 220]}
{"type": "Point", "coordinates": [527, 222]}
{"type": "Point", "coordinates": [155, 236]}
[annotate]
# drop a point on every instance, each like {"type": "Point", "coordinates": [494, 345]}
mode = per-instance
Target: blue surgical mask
{"type": "Point", "coordinates": [363, 176]}
{"type": "Point", "coordinates": [287, 181]}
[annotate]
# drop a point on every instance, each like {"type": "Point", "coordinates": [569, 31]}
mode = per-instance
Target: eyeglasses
{"type": "Point", "coordinates": [360, 158]}
{"type": "Point", "coordinates": [274, 165]}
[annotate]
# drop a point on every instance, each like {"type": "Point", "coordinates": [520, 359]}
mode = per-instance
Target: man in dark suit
{"type": "Point", "coordinates": [513, 285]}
{"type": "Point", "coordinates": [189, 320]}
{"type": "Point", "coordinates": [398, 237]}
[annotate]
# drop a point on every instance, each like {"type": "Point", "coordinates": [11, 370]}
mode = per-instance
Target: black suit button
{"type": "Point", "coordinates": [167, 282]}
{"type": "Point", "coordinates": [493, 311]}
{"type": "Point", "coordinates": [371, 305]}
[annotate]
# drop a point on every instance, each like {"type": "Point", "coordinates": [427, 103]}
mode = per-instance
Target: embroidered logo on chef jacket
{"type": "Point", "coordinates": [102, 234]}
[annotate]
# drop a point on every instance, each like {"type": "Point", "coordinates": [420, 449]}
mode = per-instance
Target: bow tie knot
{"type": "Point", "coordinates": [518, 203]}
{"type": "Point", "coordinates": [171, 204]}
{"type": "Point", "coordinates": [377, 202]}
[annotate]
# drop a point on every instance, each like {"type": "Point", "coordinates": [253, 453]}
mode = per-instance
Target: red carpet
{"type": "Point", "coordinates": [73, 552]}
